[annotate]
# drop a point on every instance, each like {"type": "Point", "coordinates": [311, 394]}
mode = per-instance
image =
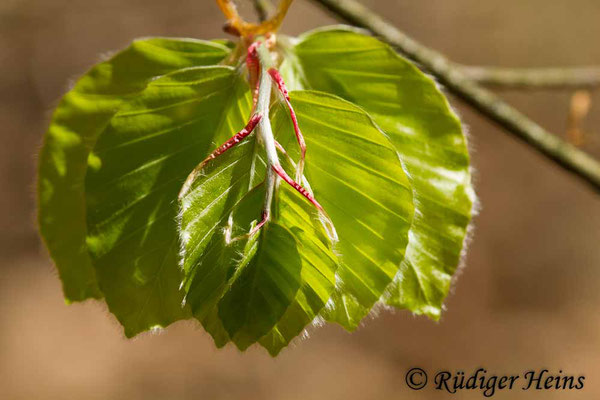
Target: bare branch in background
{"type": "Point", "coordinates": [264, 8]}
{"type": "Point", "coordinates": [460, 84]}
{"type": "Point", "coordinates": [535, 78]}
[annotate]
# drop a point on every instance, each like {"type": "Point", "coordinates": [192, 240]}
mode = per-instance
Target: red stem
{"type": "Point", "coordinates": [286, 96]}
{"type": "Point", "coordinates": [299, 188]}
{"type": "Point", "coordinates": [235, 139]}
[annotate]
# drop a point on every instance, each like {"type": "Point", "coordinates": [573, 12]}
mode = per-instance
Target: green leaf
{"type": "Point", "coordinates": [357, 177]}
{"type": "Point", "coordinates": [80, 117]}
{"type": "Point", "coordinates": [221, 188]}
{"type": "Point", "coordinates": [283, 275]}
{"type": "Point", "coordinates": [319, 264]}
{"type": "Point", "coordinates": [213, 325]}
{"type": "Point", "coordinates": [266, 286]}
{"type": "Point", "coordinates": [417, 118]}
{"type": "Point", "coordinates": [135, 172]}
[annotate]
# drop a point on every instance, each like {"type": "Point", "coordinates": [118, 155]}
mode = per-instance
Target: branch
{"type": "Point", "coordinates": [488, 104]}
{"type": "Point", "coordinates": [237, 26]}
{"type": "Point", "coordinates": [535, 78]}
{"type": "Point", "coordinates": [263, 8]}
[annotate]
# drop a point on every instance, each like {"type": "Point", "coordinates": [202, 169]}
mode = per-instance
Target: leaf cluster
{"type": "Point", "coordinates": [386, 159]}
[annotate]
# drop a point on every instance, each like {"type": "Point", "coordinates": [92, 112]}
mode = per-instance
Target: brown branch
{"type": "Point", "coordinates": [562, 153]}
{"type": "Point", "coordinates": [535, 78]}
{"type": "Point", "coordinates": [237, 26]}
{"type": "Point", "coordinates": [263, 8]}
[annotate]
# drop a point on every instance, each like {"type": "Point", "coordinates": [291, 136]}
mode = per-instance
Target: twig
{"type": "Point", "coordinates": [237, 26]}
{"type": "Point", "coordinates": [263, 8]}
{"type": "Point", "coordinates": [488, 104]}
{"type": "Point", "coordinates": [535, 78]}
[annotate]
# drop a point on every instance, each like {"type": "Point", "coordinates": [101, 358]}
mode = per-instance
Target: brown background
{"type": "Point", "coordinates": [528, 297]}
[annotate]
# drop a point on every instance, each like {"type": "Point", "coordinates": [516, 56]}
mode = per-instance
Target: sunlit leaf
{"type": "Point", "coordinates": [135, 172]}
{"type": "Point", "coordinates": [265, 287]}
{"type": "Point", "coordinates": [275, 282]}
{"type": "Point", "coordinates": [220, 189]}
{"type": "Point", "coordinates": [81, 115]}
{"type": "Point", "coordinates": [416, 116]}
{"type": "Point", "coordinates": [356, 175]}
{"type": "Point", "coordinates": [319, 264]}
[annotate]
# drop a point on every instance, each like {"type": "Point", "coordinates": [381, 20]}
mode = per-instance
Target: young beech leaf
{"type": "Point", "coordinates": [79, 118]}
{"type": "Point", "coordinates": [319, 264]}
{"type": "Point", "coordinates": [357, 176]}
{"type": "Point", "coordinates": [213, 325]}
{"type": "Point", "coordinates": [282, 275]}
{"type": "Point", "coordinates": [209, 259]}
{"type": "Point", "coordinates": [143, 157]}
{"type": "Point", "coordinates": [417, 118]}
{"type": "Point", "coordinates": [265, 286]}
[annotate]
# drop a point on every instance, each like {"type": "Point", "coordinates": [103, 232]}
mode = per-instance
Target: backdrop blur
{"type": "Point", "coordinates": [527, 298]}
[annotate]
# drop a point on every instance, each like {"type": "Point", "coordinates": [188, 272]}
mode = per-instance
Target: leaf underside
{"type": "Point", "coordinates": [416, 116]}
{"type": "Point", "coordinates": [143, 158]}
{"type": "Point", "coordinates": [386, 158]}
{"type": "Point", "coordinates": [355, 172]}
{"type": "Point", "coordinates": [78, 120]}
